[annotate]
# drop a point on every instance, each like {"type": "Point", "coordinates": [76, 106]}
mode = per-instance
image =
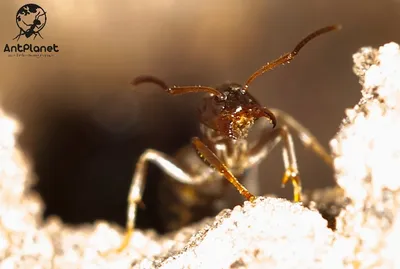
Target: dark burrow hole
{"type": "Point", "coordinates": [84, 172]}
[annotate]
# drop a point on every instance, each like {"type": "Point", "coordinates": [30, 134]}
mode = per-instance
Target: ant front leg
{"type": "Point", "coordinates": [265, 146]}
{"type": "Point", "coordinates": [167, 165]}
{"type": "Point", "coordinates": [213, 161]}
{"type": "Point", "coordinates": [268, 141]}
{"type": "Point", "coordinates": [305, 136]}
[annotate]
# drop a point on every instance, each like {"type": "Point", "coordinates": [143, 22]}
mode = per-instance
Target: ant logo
{"type": "Point", "coordinates": [31, 19]}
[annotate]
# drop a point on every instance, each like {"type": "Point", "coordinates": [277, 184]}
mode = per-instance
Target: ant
{"type": "Point", "coordinates": [31, 30]}
{"type": "Point", "coordinates": [226, 116]}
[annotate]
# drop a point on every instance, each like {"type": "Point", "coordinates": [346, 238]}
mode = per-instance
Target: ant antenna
{"type": "Point", "coordinates": [286, 58]}
{"type": "Point", "coordinates": [175, 90]}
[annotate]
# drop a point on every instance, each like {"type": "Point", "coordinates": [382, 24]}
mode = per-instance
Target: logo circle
{"type": "Point", "coordinates": [31, 19]}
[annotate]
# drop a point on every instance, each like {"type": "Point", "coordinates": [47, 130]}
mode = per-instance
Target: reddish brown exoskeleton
{"type": "Point", "coordinates": [227, 114]}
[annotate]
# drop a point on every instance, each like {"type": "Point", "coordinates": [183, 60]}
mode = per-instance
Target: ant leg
{"type": "Point", "coordinates": [308, 140]}
{"type": "Point", "coordinates": [269, 141]}
{"type": "Point", "coordinates": [213, 161]}
{"type": "Point", "coordinates": [138, 185]}
{"type": "Point", "coordinates": [266, 144]}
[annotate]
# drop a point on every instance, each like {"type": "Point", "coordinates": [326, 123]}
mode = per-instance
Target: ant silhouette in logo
{"type": "Point", "coordinates": [31, 19]}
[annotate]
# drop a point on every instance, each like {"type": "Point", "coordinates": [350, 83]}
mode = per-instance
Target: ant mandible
{"type": "Point", "coordinates": [226, 116]}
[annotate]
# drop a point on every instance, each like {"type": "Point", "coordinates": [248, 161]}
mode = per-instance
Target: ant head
{"type": "Point", "coordinates": [230, 109]}
{"type": "Point", "coordinates": [233, 112]}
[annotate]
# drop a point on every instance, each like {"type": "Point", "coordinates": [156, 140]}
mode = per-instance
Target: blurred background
{"type": "Point", "coordinates": [85, 125]}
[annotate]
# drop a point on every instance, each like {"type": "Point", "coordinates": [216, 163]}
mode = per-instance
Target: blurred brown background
{"type": "Point", "coordinates": [85, 126]}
